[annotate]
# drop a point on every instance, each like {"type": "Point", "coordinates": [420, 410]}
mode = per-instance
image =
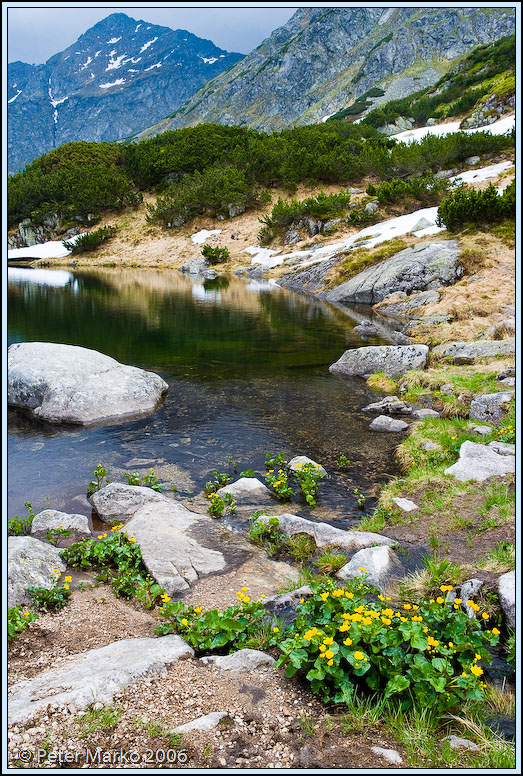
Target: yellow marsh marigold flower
{"type": "Point", "coordinates": [68, 579]}
{"type": "Point", "coordinates": [345, 627]}
{"type": "Point", "coordinates": [328, 640]}
{"type": "Point", "coordinates": [485, 616]}
{"type": "Point", "coordinates": [470, 602]}
{"type": "Point", "coordinates": [349, 595]}
{"type": "Point", "coordinates": [302, 600]}
{"type": "Point", "coordinates": [347, 642]}
{"type": "Point", "coordinates": [323, 648]}
{"type": "Point", "coordinates": [358, 656]}
{"type": "Point", "coordinates": [407, 606]}
{"type": "Point", "coordinates": [324, 596]}
{"type": "Point", "coordinates": [362, 568]}
{"type": "Point", "coordinates": [439, 600]}
{"type": "Point", "coordinates": [26, 614]}
{"type": "Point", "coordinates": [329, 654]}
{"type": "Point", "coordinates": [495, 631]}
{"type": "Point", "coordinates": [132, 540]}
{"type": "Point", "coordinates": [330, 662]}
{"type": "Point", "coordinates": [184, 622]}
{"type": "Point", "coordinates": [386, 621]}
{"type": "Point", "coordinates": [476, 670]}
{"type": "Point", "coordinates": [197, 610]}
{"type": "Point", "coordinates": [275, 630]}
{"type": "Point", "coordinates": [66, 587]}
{"type": "Point", "coordinates": [56, 571]}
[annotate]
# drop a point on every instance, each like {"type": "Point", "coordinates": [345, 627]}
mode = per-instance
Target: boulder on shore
{"type": "Point", "coordinates": [378, 564]}
{"type": "Point", "coordinates": [69, 384]}
{"type": "Point", "coordinates": [118, 501]}
{"type": "Point", "coordinates": [30, 563]}
{"type": "Point", "coordinates": [490, 407]}
{"type": "Point", "coordinates": [479, 462]}
{"type": "Point", "coordinates": [326, 535]}
{"type": "Point", "coordinates": [52, 519]}
{"type": "Point", "coordinates": [247, 490]}
{"type": "Point", "coordinates": [385, 423]}
{"type": "Point", "coordinates": [425, 266]}
{"type": "Point", "coordinates": [394, 360]}
{"type": "Point", "coordinates": [468, 352]}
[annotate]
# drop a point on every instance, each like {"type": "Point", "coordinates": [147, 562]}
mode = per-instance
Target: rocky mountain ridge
{"type": "Point", "coordinates": [110, 83]}
{"type": "Point", "coordinates": [325, 59]}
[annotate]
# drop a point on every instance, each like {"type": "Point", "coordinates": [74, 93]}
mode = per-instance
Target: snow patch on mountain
{"type": "Point", "coordinates": [118, 82]}
{"type": "Point", "coordinates": [149, 43]}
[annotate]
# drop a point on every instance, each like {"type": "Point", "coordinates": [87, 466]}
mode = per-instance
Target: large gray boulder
{"type": "Point", "coordinates": [479, 462]}
{"type": "Point", "coordinates": [468, 352]}
{"type": "Point", "coordinates": [299, 461]}
{"type": "Point", "coordinates": [326, 535]}
{"type": "Point", "coordinates": [95, 676]}
{"type": "Point", "coordinates": [50, 519]}
{"type": "Point", "coordinates": [507, 596]}
{"type": "Point", "coordinates": [490, 407]}
{"type": "Point", "coordinates": [70, 384]}
{"type": "Point", "coordinates": [247, 490]}
{"type": "Point", "coordinates": [422, 267]}
{"type": "Point", "coordinates": [30, 563]}
{"type": "Point", "coordinates": [172, 550]}
{"type": "Point", "coordinates": [394, 360]}
{"type": "Point", "coordinates": [117, 501]}
{"type": "Point", "coordinates": [379, 564]}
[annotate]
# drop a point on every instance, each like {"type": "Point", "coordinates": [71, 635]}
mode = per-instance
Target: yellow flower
{"type": "Point", "coordinates": [470, 602]}
{"type": "Point", "coordinates": [56, 571]}
{"type": "Point", "coordinates": [358, 655]}
{"type": "Point", "coordinates": [386, 621]}
{"type": "Point", "coordinates": [324, 596]}
{"type": "Point", "coordinates": [362, 568]}
{"type": "Point", "coordinates": [66, 587]}
{"type": "Point", "coordinates": [476, 670]}
{"type": "Point", "coordinates": [349, 595]}
{"type": "Point", "coordinates": [450, 644]}
{"type": "Point", "coordinates": [328, 640]}
{"type": "Point", "coordinates": [184, 622]}
{"type": "Point", "coordinates": [458, 601]}
{"type": "Point", "coordinates": [26, 614]}
{"type": "Point", "coordinates": [329, 654]}
{"type": "Point", "coordinates": [439, 600]}
{"type": "Point", "coordinates": [246, 599]}
{"type": "Point", "coordinates": [132, 540]}
{"type": "Point", "coordinates": [275, 630]}
{"type": "Point", "coordinates": [407, 606]}
{"type": "Point", "coordinates": [347, 642]}
{"type": "Point", "coordinates": [302, 600]}
{"type": "Point", "coordinates": [323, 648]}
{"type": "Point", "coordinates": [495, 631]}
{"type": "Point", "coordinates": [330, 662]}
{"type": "Point", "coordinates": [485, 616]}
{"type": "Point", "coordinates": [68, 579]}
{"type": "Point", "coordinates": [197, 610]}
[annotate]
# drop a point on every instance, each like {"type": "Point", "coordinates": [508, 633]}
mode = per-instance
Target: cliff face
{"type": "Point", "coordinates": [324, 59]}
{"type": "Point", "coordinates": [117, 78]}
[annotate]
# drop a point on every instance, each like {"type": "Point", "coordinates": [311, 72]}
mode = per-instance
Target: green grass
{"type": "Point", "coordinates": [360, 259]}
{"type": "Point", "coordinates": [426, 582]}
{"type": "Point", "coordinates": [501, 558]}
{"type": "Point", "coordinates": [330, 562]}
{"type": "Point", "coordinates": [98, 719]}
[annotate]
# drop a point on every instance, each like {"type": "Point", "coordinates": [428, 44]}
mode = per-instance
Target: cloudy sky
{"type": "Point", "coordinates": [36, 33]}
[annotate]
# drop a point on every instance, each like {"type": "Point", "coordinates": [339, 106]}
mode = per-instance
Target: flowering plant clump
{"type": "Point", "coordinates": [279, 483]}
{"type": "Point", "coordinates": [56, 596]}
{"type": "Point", "coordinates": [219, 505]}
{"type": "Point", "coordinates": [309, 476]}
{"type": "Point", "coordinates": [20, 526]}
{"type": "Point", "coordinates": [218, 481]}
{"type": "Point", "coordinates": [225, 631]}
{"type": "Point", "coordinates": [353, 638]}
{"type": "Point", "coordinates": [507, 434]}
{"type": "Point", "coordinates": [18, 620]}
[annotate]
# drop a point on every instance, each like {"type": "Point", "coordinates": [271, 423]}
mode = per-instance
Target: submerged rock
{"type": "Point", "coordinates": [299, 461]}
{"type": "Point", "coordinates": [95, 676]}
{"type": "Point", "coordinates": [30, 563]}
{"type": "Point", "coordinates": [479, 462]}
{"type": "Point", "coordinates": [394, 360]}
{"type": "Point", "coordinates": [69, 384]}
{"type": "Point", "coordinates": [422, 267]}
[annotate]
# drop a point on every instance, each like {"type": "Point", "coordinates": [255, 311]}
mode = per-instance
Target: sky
{"type": "Point", "coordinates": [36, 33]}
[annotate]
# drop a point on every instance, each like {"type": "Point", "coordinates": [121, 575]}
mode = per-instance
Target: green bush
{"type": "Point", "coordinates": [468, 206]}
{"type": "Point", "coordinates": [91, 240]}
{"type": "Point", "coordinates": [349, 639]}
{"type": "Point", "coordinates": [322, 207]}
{"type": "Point", "coordinates": [18, 620]}
{"type": "Point", "coordinates": [20, 526]}
{"type": "Point", "coordinates": [426, 190]}
{"type": "Point", "coordinates": [215, 254]}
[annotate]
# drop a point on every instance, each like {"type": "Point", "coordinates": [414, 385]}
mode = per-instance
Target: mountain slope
{"type": "Point", "coordinates": [324, 59]}
{"type": "Point", "coordinates": [117, 77]}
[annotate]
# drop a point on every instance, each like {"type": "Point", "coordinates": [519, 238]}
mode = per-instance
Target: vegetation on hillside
{"type": "Point", "coordinates": [468, 206]}
{"type": "Point", "coordinates": [486, 69]}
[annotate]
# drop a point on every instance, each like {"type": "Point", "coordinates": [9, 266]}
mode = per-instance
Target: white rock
{"type": "Point", "coordinates": [378, 563]}
{"type": "Point", "coordinates": [384, 423]}
{"type": "Point", "coordinates": [117, 501]}
{"type": "Point", "coordinates": [503, 448]}
{"type": "Point", "coordinates": [482, 430]}
{"type": "Point", "coordinates": [247, 490]}
{"type": "Point", "coordinates": [242, 661]}
{"type": "Point", "coordinates": [207, 722]}
{"type": "Point", "coordinates": [70, 384]}
{"type": "Point", "coordinates": [30, 563]}
{"type": "Point", "coordinates": [389, 755]}
{"type": "Point", "coordinates": [456, 742]}
{"type": "Point", "coordinates": [390, 404]}
{"type": "Point", "coordinates": [172, 556]}
{"type": "Point", "coordinates": [507, 596]}
{"type": "Point", "coordinates": [479, 462]}
{"type": "Point", "coordinates": [326, 535]}
{"type": "Point", "coordinates": [95, 676]}
{"type": "Point", "coordinates": [49, 519]}
{"type": "Point", "coordinates": [405, 504]}
{"type": "Point", "coordinates": [302, 460]}
{"type": "Point", "coordinates": [424, 413]}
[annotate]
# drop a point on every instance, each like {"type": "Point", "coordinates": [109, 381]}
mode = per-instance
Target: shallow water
{"type": "Point", "coordinates": [247, 367]}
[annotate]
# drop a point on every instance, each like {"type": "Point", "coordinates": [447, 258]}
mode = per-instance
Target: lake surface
{"type": "Point", "coordinates": [247, 368]}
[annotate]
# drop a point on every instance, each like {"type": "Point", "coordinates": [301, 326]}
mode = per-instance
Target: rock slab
{"type": "Point", "coordinates": [491, 407]}
{"type": "Point", "coordinates": [425, 266]}
{"type": "Point", "coordinates": [172, 550]}
{"type": "Point", "coordinates": [479, 462]}
{"type": "Point", "coordinates": [30, 563]}
{"type": "Point", "coordinates": [394, 360]}
{"type": "Point", "coordinates": [507, 596]}
{"type": "Point", "coordinates": [69, 384]}
{"type": "Point", "coordinates": [95, 676]}
{"type": "Point", "coordinates": [469, 352]}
